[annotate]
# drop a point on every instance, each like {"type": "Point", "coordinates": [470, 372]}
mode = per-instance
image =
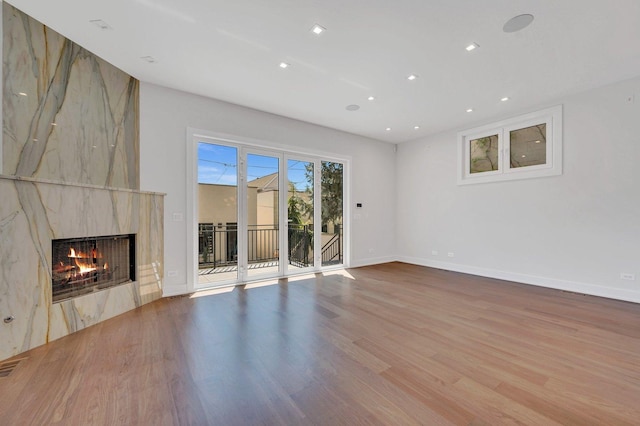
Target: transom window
{"type": "Point", "coordinates": [522, 147]}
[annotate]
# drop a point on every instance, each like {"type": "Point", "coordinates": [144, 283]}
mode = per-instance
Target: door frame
{"type": "Point", "coordinates": [194, 136]}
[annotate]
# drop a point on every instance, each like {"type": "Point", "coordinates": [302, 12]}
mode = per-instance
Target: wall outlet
{"type": "Point", "coordinates": [172, 274]}
{"type": "Point", "coordinates": [371, 250]}
{"type": "Point", "coordinates": [451, 254]}
{"type": "Point", "coordinates": [178, 217]}
{"type": "Point", "coordinates": [627, 276]}
{"type": "Point", "coordinates": [434, 252]}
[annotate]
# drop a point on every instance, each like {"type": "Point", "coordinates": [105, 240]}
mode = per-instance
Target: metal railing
{"type": "Point", "coordinates": [218, 245]}
{"type": "Point", "coordinates": [332, 250]}
{"type": "Point", "coordinates": [263, 241]}
{"type": "Point", "coordinates": [300, 245]}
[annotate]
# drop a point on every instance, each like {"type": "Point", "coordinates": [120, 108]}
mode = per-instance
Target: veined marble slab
{"type": "Point", "coordinates": [68, 115]}
{"type": "Point", "coordinates": [34, 213]}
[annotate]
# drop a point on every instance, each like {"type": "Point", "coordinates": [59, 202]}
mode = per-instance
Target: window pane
{"type": "Point", "coordinates": [484, 154]}
{"type": "Point", "coordinates": [217, 213]}
{"type": "Point", "coordinates": [300, 214]}
{"type": "Point", "coordinates": [331, 211]}
{"type": "Point", "coordinates": [528, 146]}
{"type": "Point", "coordinates": [263, 189]}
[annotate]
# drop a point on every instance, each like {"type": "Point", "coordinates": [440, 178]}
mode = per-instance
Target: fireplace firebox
{"type": "Point", "coordinates": [85, 265]}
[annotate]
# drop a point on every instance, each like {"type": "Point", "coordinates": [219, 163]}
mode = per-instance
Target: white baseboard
{"type": "Point", "coordinates": [373, 261]}
{"type": "Point", "coordinates": [574, 286]}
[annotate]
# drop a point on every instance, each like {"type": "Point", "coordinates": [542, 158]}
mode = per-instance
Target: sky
{"type": "Point", "coordinates": [218, 164]}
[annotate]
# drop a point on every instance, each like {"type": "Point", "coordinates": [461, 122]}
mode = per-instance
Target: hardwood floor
{"type": "Point", "coordinates": [387, 344]}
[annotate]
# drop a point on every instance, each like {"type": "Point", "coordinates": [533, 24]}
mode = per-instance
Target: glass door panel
{"type": "Point", "coordinates": [217, 214]}
{"type": "Point", "coordinates": [300, 180]}
{"type": "Point", "coordinates": [332, 192]}
{"type": "Point", "coordinates": [263, 200]}
{"type": "Point", "coordinates": [262, 214]}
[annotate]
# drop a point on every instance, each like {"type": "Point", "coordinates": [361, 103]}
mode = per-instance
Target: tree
{"type": "Point", "coordinates": [295, 207]}
{"type": "Point", "coordinates": [300, 235]}
{"type": "Point", "coordinates": [331, 179]}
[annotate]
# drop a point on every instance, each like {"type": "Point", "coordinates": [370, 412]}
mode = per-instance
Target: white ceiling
{"type": "Point", "coordinates": [231, 50]}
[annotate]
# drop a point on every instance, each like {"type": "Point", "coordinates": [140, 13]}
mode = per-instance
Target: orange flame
{"type": "Point", "coordinates": [95, 254]}
{"type": "Point", "coordinates": [84, 261]}
{"type": "Point", "coordinates": [85, 267]}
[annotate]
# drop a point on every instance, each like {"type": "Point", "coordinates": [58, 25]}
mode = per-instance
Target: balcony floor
{"type": "Point", "coordinates": [227, 273]}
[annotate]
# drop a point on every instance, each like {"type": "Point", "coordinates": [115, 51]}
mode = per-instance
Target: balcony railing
{"type": "Point", "coordinates": [218, 246]}
{"type": "Point", "coordinates": [300, 245]}
{"type": "Point", "coordinates": [263, 243]}
{"type": "Point", "coordinates": [332, 251]}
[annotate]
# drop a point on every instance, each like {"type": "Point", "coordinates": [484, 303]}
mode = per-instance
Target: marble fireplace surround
{"type": "Point", "coordinates": [70, 155]}
{"type": "Point", "coordinates": [34, 212]}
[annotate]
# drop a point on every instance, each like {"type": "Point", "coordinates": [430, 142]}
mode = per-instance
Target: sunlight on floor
{"type": "Point", "coordinates": [342, 272]}
{"type": "Point", "coordinates": [212, 292]}
{"type": "Point", "coordinates": [269, 282]}
{"type": "Point", "coordinates": [301, 277]}
{"type": "Point", "coordinates": [260, 284]}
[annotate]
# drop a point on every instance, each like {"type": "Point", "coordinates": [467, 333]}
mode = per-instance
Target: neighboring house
{"type": "Point", "coordinates": [217, 219]}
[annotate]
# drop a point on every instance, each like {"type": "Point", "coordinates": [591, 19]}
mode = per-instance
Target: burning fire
{"type": "Point", "coordinates": [85, 261]}
{"type": "Point", "coordinates": [95, 254]}
{"type": "Point", "coordinates": [84, 267]}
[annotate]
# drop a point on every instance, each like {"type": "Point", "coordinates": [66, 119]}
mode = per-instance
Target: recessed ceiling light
{"type": "Point", "coordinates": [149, 59]}
{"type": "Point", "coordinates": [22, 94]}
{"type": "Point", "coordinates": [416, 127]}
{"type": "Point", "coordinates": [524, 156]}
{"type": "Point", "coordinates": [284, 65]}
{"type": "Point", "coordinates": [472, 46]}
{"type": "Point", "coordinates": [54, 124]}
{"type": "Point", "coordinates": [35, 140]}
{"type": "Point", "coordinates": [318, 29]}
{"type": "Point", "coordinates": [505, 99]}
{"type": "Point", "coordinates": [352, 107]}
{"type": "Point", "coordinates": [537, 141]}
{"type": "Point", "coordinates": [101, 24]}
{"type": "Point", "coordinates": [388, 129]}
{"type": "Point", "coordinates": [517, 23]}
{"type": "Point", "coordinates": [371, 98]}
{"type": "Point", "coordinates": [412, 77]}
{"type": "Point", "coordinates": [470, 110]}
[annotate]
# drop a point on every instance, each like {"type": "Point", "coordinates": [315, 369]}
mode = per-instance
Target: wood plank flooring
{"type": "Point", "coordinates": [391, 344]}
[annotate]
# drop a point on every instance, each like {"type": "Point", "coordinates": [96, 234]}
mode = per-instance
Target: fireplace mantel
{"type": "Point", "coordinates": [79, 185]}
{"type": "Point", "coordinates": [33, 212]}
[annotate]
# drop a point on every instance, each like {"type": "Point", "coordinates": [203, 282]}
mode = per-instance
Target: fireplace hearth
{"type": "Point", "coordinates": [84, 265]}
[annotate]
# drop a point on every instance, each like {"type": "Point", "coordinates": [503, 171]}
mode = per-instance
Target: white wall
{"type": "Point", "coordinates": [166, 114]}
{"type": "Point", "coordinates": [577, 231]}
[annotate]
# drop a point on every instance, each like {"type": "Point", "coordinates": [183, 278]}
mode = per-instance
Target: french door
{"type": "Point", "coordinates": [262, 179]}
{"type": "Point", "coordinates": [264, 214]}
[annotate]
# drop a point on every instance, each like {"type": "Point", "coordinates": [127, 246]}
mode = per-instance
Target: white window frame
{"type": "Point", "coordinates": [194, 136]}
{"type": "Point", "coordinates": [552, 117]}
